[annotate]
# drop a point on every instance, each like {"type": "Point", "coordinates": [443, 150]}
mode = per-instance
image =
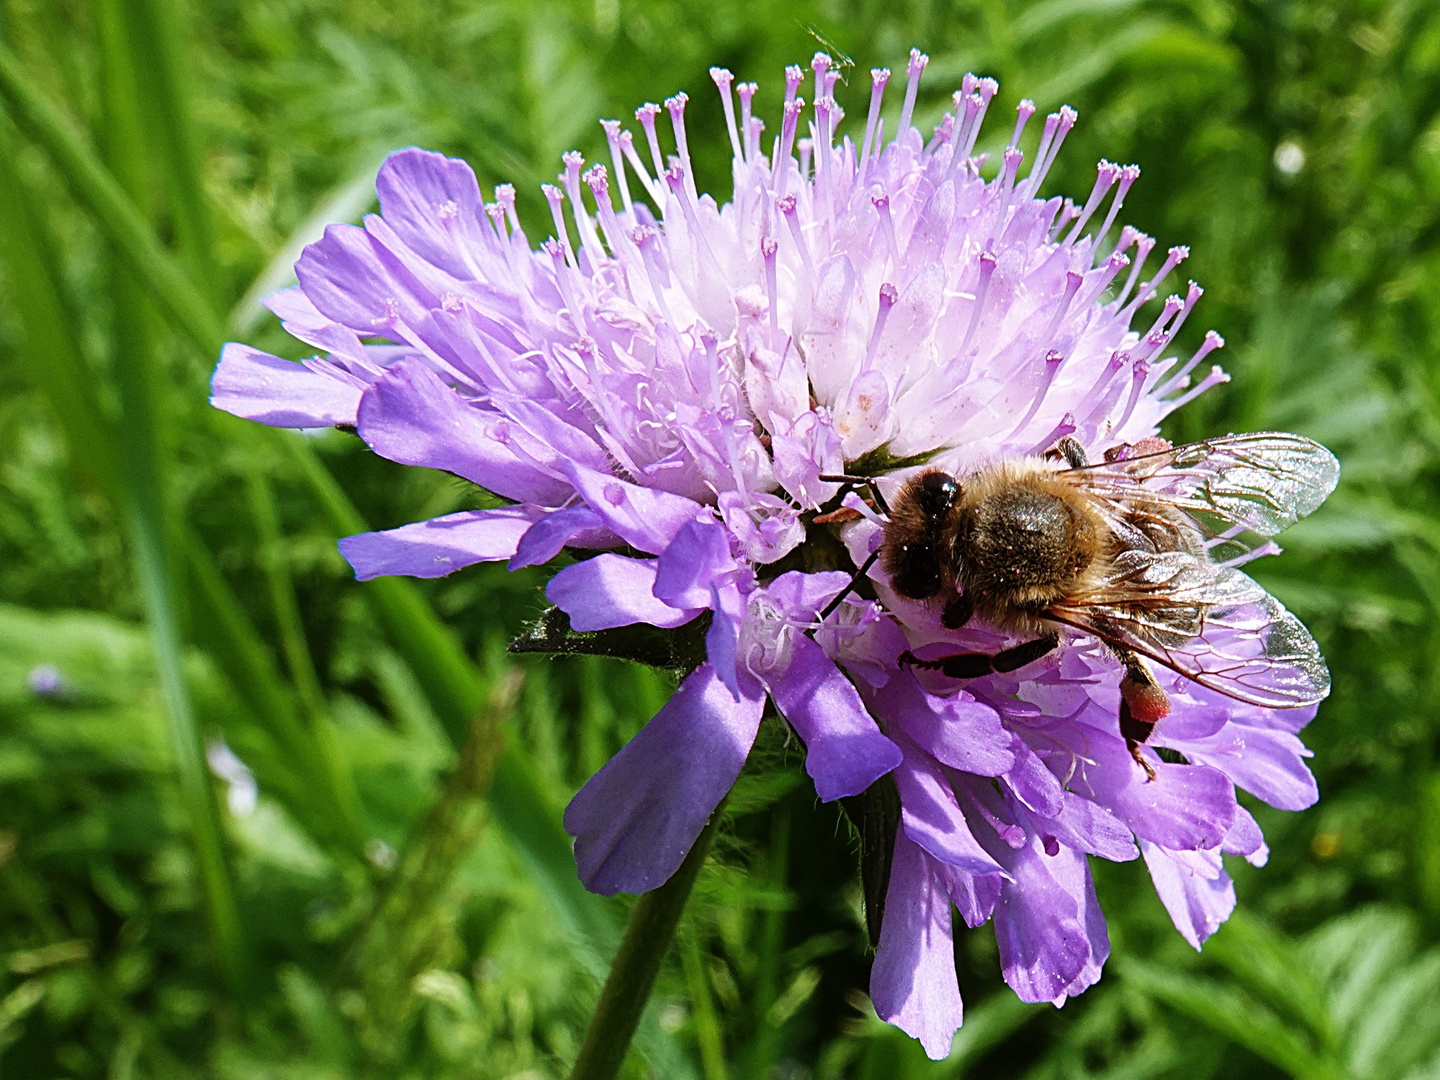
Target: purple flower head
{"type": "Point", "coordinates": [665, 386]}
{"type": "Point", "coordinates": [46, 681]}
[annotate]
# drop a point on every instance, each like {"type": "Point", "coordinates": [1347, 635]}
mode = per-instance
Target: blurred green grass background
{"type": "Point", "coordinates": [382, 888]}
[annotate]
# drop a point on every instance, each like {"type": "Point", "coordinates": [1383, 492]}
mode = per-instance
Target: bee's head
{"type": "Point", "coordinates": [936, 494]}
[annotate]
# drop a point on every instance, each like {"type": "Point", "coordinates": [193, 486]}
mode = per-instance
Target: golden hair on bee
{"type": "Point", "coordinates": [1011, 539]}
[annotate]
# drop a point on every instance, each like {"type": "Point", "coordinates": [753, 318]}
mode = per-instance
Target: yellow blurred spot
{"type": "Point", "coordinates": [1326, 845]}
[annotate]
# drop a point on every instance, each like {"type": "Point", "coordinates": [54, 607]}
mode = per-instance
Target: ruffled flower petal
{"type": "Point", "coordinates": [1048, 924]}
{"type": "Point", "coordinates": [912, 982]}
{"type": "Point", "coordinates": [433, 203]}
{"type": "Point", "coordinates": [1246, 840]}
{"type": "Point", "coordinates": [611, 590]}
{"type": "Point", "coordinates": [1185, 806]}
{"type": "Point", "coordinates": [354, 279]}
{"type": "Point", "coordinates": [282, 393]}
{"type": "Point", "coordinates": [637, 818]}
{"type": "Point", "coordinates": [1197, 892]}
{"type": "Point", "coordinates": [409, 415]}
{"type": "Point", "coordinates": [691, 563]}
{"type": "Point", "coordinates": [844, 750]}
{"type": "Point", "coordinates": [550, 534]}
{"type": "Point", "coordinates": [645, 517]}
{"type": "Point", "coordinates": [440, 546]}
{"type": "Point", "coordinates": [932, 818]}
{"type": "Point", "coordinates": [1267, 762]}
{"type": "Point", "coordinates": [957, 731]}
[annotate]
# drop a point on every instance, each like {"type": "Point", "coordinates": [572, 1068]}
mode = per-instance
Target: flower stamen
{"type": "Point", "coordinates": [1066, 426]}
{"type": "Point", "coordinates": [1173, 258]}
{"type": "Point", "coordinates": [1139, 373]}
{"type": "Point", "coordinates": [722, 80]}
{"type": "Point", "coordinates": [977, 309]}
{"type": "Point", "coordinates": [1215, 378]}
{"type": "Point", "coordinates": [555, 197]}
{"type": "Point", "coordinates": [781, 167]}
{"type": "Point", "coordinates": [888, 296]}
{"type": "Point", "coordinates": [627, 146]}
{"type": "Point", "coordinates": [1053, 361]}
{"type": "Point", "coordinates": [918, 60]}
{"type": "Point", "coordinates": [750, 126]}
{"type": "Point", "coordinates": [1064, 121]}
{"type": "Point", "coordinates": [646, 115]}
{"type": "Point", "coordinates": [1023, 112]}
{"type": "Point", "coordinates": [1106, 173]}
{"type": "Point", "coordinates": [1212, 342]}
{"type": "Point", "coordinates": [589, 239]}
{"type": "Point", "coordinates": [1128, 175]}
{"type": "Point", "coordinates": [881, 202]}
{"type": "Point", "coordinates": [676, 106]}
{"type": "Point", "coordinates": [879, 77]}
{"type": "Point", "coordinates": [617, 162]}
{"type": "Point", "coordinates": [1143, 246]}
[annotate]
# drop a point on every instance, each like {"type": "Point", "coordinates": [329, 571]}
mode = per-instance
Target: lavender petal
{"type": "Point", "coordinates": [281, 393]}
{"type": "Point", "coordinates": [912, 982]}
{"type": "Point", "coordinates": [637, 818]}
{"type": "Point", "coordinates": [440, 546]}
{"type": "Point", "coordinates": [611, 590]}
{"type": "Point", "coordinates": [844, 750]}
{"type": "Point", "coordinates": [411, 416]}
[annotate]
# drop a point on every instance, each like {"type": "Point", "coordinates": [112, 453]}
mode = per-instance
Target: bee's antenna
{"type": "Point", "coordinates": [850, 587]}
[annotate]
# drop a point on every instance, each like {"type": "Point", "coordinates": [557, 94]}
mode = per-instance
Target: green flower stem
{"type": "Point", "coordinates": [637, 963]}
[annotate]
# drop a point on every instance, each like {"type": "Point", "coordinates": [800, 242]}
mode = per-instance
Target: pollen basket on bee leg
{"type": "Point", "coordinates": [1144, 700]}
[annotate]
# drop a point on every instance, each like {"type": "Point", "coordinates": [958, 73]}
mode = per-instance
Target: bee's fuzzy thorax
{"type": "Point", "coordinates": [1024, 538]}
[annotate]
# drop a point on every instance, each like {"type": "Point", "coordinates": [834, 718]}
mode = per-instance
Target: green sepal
{"type": "Point", "coordinates": [682, 649]}
{"type": "Point", "coordinates": [880, 461]}
{"type": "Point", "coordinates": [875, 814]}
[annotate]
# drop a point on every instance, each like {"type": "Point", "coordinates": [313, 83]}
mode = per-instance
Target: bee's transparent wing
{"type": "Point", "coordinates": [1239, 490]}
{"type": "Point", "coordinates": [1211, 623]}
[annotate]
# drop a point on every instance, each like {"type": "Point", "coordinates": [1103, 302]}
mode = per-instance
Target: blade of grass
{"type": "Point", "coordinates": [1274, 969]}
{"type": "Point", "coordinates": [450, 679]}
{"type": "Point", "coordinates": [708, 1034]}
{"type": "Point", "coordinates": [57, 366]}
{"type": "Point", "coordinates": [770, 946]}
{"type": "Point", "coordinates": [151, 525]}
{"type": "Point", "coordinates": [986, 1025]}
{"type": "Point", "coordinates": [113, 210]}
{"type": "Point", "coordinates": [286, 610]}
{"type": "Point", "coordinates": [225, 630]}
{"type": "Point", "coordinates": [58, 370]}
{"type": "Point", "coordinates": [154, 41]}
{"type": "Point", "coordinates": [1235, 1015]}
{"type": "Point", "coordinates": [416, 914]}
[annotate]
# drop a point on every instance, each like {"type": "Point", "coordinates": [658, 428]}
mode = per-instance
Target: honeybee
{"type": "Point", "coordinates": [1138, 550]}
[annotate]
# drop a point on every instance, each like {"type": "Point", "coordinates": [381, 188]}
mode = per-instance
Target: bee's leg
{"type": "Point", "coordinates": [1072, 452]}
{"type": "Point", "coordinates": [1143, 704]}
{"type": "Point", "coordinates": [1135, 735]}
{"type": "Point", "coordinates": [972, 665]}
{"type": "Point", "coordinates": [850, 483]}
{"type": "Point", "coordinates": [957, 612]}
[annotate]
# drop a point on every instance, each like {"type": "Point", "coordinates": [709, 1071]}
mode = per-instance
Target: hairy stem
{"type": "Point", "coordinates": [637, 963]}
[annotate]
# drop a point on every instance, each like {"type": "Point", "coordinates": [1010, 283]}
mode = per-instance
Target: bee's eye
{"type": "Point", "coordinates": [917, 574]}
{"type": "Point", "coordinates": [937, 493]}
